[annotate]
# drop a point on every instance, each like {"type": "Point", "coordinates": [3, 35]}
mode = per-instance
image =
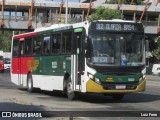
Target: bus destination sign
{"type": "Point", "coordinates": [106, 26]}
{"type": "Point", "coordinates": [116, 26]}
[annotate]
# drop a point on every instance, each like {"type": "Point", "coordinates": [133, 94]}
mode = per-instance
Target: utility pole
{"type": "Point", "coordinates": [131, 2]}
{"type": "Point", "coordinates": [60, 11]}
{"type": "Point", "coordinates": [89, 8]}
{"type": "Point", "coordinates": [30, 14]}
{"type": "Point", "coordinates": [2, 10]}
{"type": "Point", "coordinates": [144, 11]}
{"type": "Point", "coordinates": [157, 2]}
{"type": "Point", "coordinates": [118, 7]}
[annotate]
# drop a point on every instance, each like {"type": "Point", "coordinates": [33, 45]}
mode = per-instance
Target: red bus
{"type": "Point", "coordinates": [1, 62]}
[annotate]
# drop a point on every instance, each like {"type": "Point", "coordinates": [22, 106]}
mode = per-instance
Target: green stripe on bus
{"type": "Point", "coordinates": [78, 30]}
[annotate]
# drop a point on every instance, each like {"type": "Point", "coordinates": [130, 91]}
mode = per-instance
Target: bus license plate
{"type": "Point", "coordinates": [120, 87]}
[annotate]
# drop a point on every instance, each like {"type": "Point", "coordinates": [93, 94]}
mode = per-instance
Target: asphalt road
{"type": "Point", "coordinates": [154, 78]}
{"type": "Point", "coordinates": [14, 98]}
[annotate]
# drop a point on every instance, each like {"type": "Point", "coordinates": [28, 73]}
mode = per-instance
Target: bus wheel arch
{"type": "Point", "coordinates": [29, 83]}
{"type": "Point", "coordinates": [71, 94]}
{"type": "Point", "coordinates": [66, 77]}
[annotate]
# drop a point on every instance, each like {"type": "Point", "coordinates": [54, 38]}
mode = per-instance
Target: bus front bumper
{"type": "Point", "coordinates": [2, 69]}
{"type": "Point", "coordinates": [92, 86]}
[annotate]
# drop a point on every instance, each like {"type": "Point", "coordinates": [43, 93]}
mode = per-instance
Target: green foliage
{"type": "Point", "coordinates": [156, 52]}
{"type": "Point", "coordinates": [136, 2]}
{"type": "Point", "coordinates": [154, 48]}
{"type": "Point", "coordinates": [103, 13]}
{"type": "Point", "coordinates": [5, 40]}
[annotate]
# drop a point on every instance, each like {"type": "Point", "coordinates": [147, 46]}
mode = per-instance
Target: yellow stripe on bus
{"type": "Point", "coordinates": [92, 86]}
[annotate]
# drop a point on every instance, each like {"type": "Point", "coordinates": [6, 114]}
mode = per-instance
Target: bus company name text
{"type": "Point", "coordinates": [22, 115]}
{"type": "Point", "coordinates": [32, 115]}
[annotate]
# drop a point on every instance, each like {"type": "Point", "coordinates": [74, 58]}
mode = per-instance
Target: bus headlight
{"type": "Point", "coordinates": [97, 80]}
{"type": "Point", "coordinates": [92, 77]}
{"type": "Point", "coordinates": [142, 78]}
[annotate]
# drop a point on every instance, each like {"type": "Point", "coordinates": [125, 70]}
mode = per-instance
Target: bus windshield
{"type": "Point", "coordinates": [116, 49]}
{"type": "Point", "coordinates": [1, 59]}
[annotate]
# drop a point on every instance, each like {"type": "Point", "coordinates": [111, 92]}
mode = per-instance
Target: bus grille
{"type": "Point", "coordinates": [113, 86]}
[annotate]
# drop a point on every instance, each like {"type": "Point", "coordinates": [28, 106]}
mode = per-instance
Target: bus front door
{"type": "Point", "coordinates": [77, 61]}
{"type": "Point", "coordinates": [20, 60]}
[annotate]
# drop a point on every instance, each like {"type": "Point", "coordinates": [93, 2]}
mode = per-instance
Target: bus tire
{"type": "Point", "coordinates": [118, 96]}
{"type": "Point", "coordinates": [70, 93]}
{"type": "Point", "coordinates": [29, 83]}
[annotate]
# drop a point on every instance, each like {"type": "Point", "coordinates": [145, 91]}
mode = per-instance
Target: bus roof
{"type": "Point", "coordinates": [41, 30]}
{"type": "Point", "coordinates": [24, 35]}
{"type": "Point", "coordinates": [55, 26]}
{"type": "Point", "coordinates": [80, 24]}
{"type": "Point", "coordinates": [59, 26]}
{"type": "Point", "coordinates": [115, 20]}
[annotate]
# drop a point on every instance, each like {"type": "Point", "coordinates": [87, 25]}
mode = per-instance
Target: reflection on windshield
{"type": "Point", "coordinates": [131, 50]}
{"type": "Point", "coordinates": [103, 49]}
{"type": "Point", "coordinates": [116, 49]}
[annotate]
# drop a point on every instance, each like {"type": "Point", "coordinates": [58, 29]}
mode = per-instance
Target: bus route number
{"type": "Point", "coordinates": [99, 26]}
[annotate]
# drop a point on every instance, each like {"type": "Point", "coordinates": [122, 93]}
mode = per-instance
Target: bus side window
{"type": "Point", "coordinates": [66, 42]}
{"type": "Point", "coordinates": [56, 40]}
{"type": "Point", "coordinates": [37, 45]}
{"type": "Point", "coordinates": [28, 46]}
{"type": "Point", "coordinates": [46, 44]}
{"type": "Point", "coordinates": [15, 48]}
{"type": "Point", "coordinates": [21, 49]}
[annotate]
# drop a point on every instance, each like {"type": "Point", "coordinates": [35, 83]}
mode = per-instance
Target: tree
{"type": "Point", "coordinates": [5, 41]}
{"type": "Point", "coordinates": [105, 13]}
{"type": "Point", "coordinates": [136, 2]}
{"type": "Point", "coordinates": [154, 48]}
{"type": "Point", "coordinates": [156, 52]}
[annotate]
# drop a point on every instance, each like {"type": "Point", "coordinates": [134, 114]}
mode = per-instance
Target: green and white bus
{"type": "Point", "coordinates": [103, 56]}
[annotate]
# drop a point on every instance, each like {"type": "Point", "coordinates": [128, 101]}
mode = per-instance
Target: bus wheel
{"type": "Point", "coordinates": [29, 83]}
{"type": "Point", "coordinates": [117, 96]}
{"type": "Point", "coordinates": [70, 93]}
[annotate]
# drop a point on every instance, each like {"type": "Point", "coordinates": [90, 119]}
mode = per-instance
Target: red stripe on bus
{"type": "Point", "coordinates": [21, 65]}
{"type": "Point", "coordinates": [25, 35]}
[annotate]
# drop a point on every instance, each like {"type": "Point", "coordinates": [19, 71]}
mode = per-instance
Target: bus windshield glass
{"type": "Point", "coordinates": [1, 59]}
{"type": "Point", "coordinates": [116, 49]}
